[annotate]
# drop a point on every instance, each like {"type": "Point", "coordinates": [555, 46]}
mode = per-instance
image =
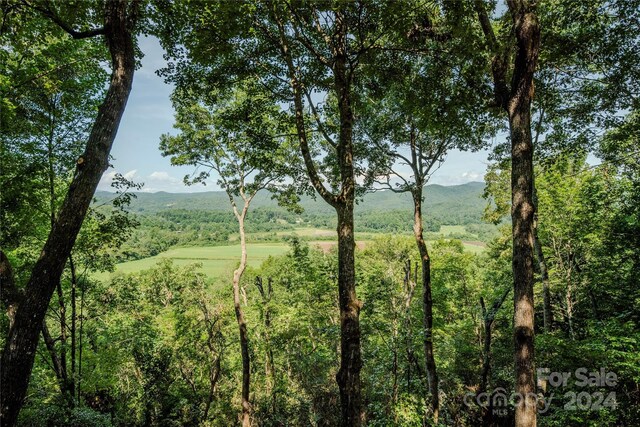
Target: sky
{"type": "Point", "coordinates": [149, 114]}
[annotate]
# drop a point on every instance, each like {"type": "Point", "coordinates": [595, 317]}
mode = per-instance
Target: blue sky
{"type": "Point", "coordinates": [149, 114]}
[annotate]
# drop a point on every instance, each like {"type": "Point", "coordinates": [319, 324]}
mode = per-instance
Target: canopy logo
{"type": "Point", "coordinates": [592, 397]}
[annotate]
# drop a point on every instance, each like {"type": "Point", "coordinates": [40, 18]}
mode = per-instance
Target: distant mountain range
{"type": "Point", "coordinates": [454, 202]}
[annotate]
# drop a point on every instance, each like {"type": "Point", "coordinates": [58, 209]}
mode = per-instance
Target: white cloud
{"type": "Point", "coordinates": [157, 181]}
{"type": "Point", "coordinates": [107, 178]}
{"type": "Point", "coordinates": [462, 178]}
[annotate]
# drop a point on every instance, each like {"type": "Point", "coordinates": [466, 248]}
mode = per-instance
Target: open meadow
{"type": "Point", "coordinates": [220, 260]}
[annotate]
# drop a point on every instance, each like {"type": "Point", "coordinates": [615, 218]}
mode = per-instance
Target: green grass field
{"type": "Point", "coordinates": [215, 260]}
{"type": "Point", "coordinates": [220, 260]}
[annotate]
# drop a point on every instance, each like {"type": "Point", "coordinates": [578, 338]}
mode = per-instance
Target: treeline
{"type": "Point", "coordinates": [159, 348]}
{"type": "Point", "coordinates": [158, 232]}
{"type": "Point", "coordinates": [335, 99]}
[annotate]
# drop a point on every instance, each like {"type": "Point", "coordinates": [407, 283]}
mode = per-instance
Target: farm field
{"type": "Point", "coordinates": [220, 260]}
{"type": "Point", "coordinates": [215, 260]}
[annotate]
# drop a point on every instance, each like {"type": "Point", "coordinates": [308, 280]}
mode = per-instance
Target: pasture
{"type": "Point", "coordinates": [219, 261]}
{"type": "Point", "coordinates": [216, 260]}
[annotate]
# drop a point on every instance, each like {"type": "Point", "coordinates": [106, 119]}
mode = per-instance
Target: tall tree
{"type": "Point", "coordinates": [18, 354]}
{"type": "Point", "coordinates": [425, 110]}
{"type": "Point", "coordinates": [238, 136]}
{"type": "Point", "coordinates": [515, 99]}
{"type": "Point", "coordinates": [302, 52]}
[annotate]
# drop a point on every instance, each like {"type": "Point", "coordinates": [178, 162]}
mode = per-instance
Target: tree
{"type": "Point", "coordinates": [19, 351]}
{"type": "Point", "coordinates": [237, 135]}
{"type": "Point", "coordinates": [515, 99]}
{"type": "Point", "coordinates": [300, 52]}
{"type": "Point", "coordinates": [426, 108]}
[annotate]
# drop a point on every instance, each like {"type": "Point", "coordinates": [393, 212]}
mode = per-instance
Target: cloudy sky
{"type": "Point", "coordinates": [149, 114]}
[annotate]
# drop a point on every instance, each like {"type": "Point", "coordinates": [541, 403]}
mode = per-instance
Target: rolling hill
{"type": "Point", "coordinates": [455, 204]}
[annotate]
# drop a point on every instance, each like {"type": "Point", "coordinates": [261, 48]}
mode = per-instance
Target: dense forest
{"type": "Point", "coordinates": [388, 301]}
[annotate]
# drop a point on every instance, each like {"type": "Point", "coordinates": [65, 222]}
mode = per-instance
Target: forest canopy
{"type": "Point", "coordinates": [326, 281]}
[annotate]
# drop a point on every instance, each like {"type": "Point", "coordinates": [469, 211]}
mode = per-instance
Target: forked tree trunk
{"type": "Point", "coordinates": [19, 351]}
{"type": "Point", "coordinates": [427, 302]}
{"type": "Point", "coordinates": [488, 317]}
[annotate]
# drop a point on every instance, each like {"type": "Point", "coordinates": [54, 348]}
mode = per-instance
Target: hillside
{"type": "Point", "coordinates": [457, 204]}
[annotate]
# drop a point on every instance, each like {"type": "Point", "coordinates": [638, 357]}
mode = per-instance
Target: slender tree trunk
{"type": "Point", "coordinates": [547, 316]}
{"type": "Point", "coordinates": [79, 377]}
{"type": "Point", "coordinates": [20, 348]}
{"type": "Point", "coordinates": [58, 367]}
{"type": "Point", "coordinates": [409, 288]}
{"type": "Point", "coordinates": [63, 336]}
{"type": "Point", "coordinates": [242, 325]}
{"type": "Point", "coordinates": [74, 323]}
{"type": "Point", "coordinates": [488, 317]}
{"type": "Point", "coordinates": [427, 302]}
{"type": "Point", "coordinates": [214, 375]}
{"type": "Point", "coordinates": [59, 361]}
{"type": "Point", "coordinates": [546, 292]}
{"type": "Point", "coordinates": [269, 366]}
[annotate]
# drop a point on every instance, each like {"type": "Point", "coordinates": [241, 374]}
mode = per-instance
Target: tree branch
{"type": "Point", "coordinates": [50, 13]}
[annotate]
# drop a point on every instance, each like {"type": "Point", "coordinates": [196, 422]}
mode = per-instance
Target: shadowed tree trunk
{"type": "Point", "coordinates": [515, 99]}
{"type": "Point", "coordinates": [19, 351]}
{"type": "Point", "coordinates": [409, 289]}
{"type": "Point", "coordinates": [488, 317]}
{"type": "Point", "coordinates": [269, 368]}
{"type": "Point", "coordinates": [546, 292]}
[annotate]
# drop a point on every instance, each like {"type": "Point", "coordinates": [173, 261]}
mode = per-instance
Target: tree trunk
{"type": "Point", "coordinates": [19, 351]}
{"type": "Point", "coordinates": [547, 316]}
{"type": "Point", "coordinates": [527, 33]}
{"type": "Point", "coordinates": [427, 302]}
{"type": "Point", "coordinates": [58, 367]}
{"type": "Point", "coordinates": [348, 376]}
{"type": "Point", "coordinates": [242, 325]}
{"type": "Point", "coordinates": [269, 366]}
{"type": "Point", "coordinates": [515, 98]}
{"type": "Point", "coordinates": [488, 318]}
{"type": "Point", "coordinates": [66, 389]}
{"type": "Point", "coordinates": [409, 289]}
{"type": "Point", "coordinates": [74, 323]}
{"type": "Point", "coordinates": [546, 292]}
